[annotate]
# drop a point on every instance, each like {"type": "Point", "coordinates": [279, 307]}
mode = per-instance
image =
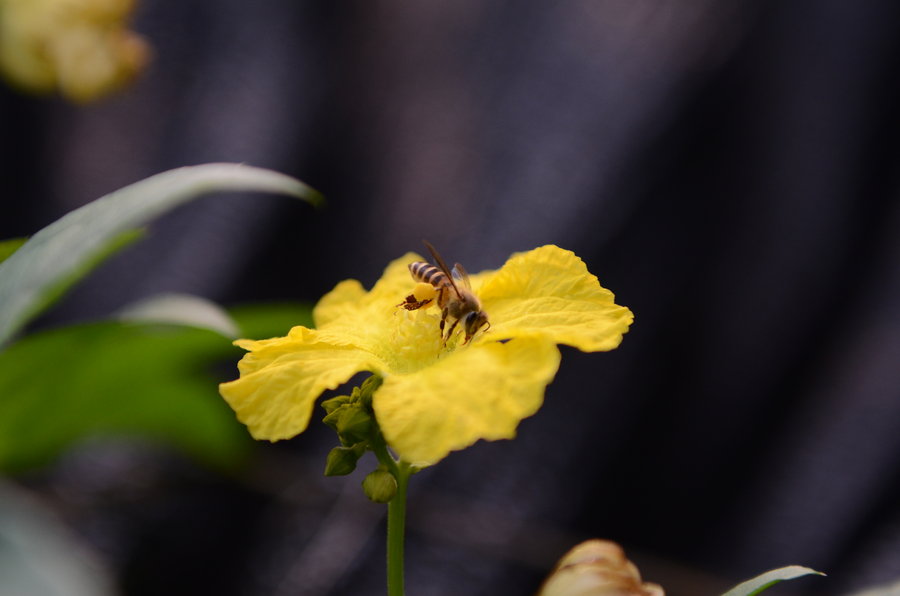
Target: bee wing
{"type": "Point", "coordinates": [440, 263]}
{"type": "Point", "coordinates": [460, 274]}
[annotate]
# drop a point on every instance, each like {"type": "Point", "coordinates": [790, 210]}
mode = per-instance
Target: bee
{"type": "Point", "coordinates": [454, 296]}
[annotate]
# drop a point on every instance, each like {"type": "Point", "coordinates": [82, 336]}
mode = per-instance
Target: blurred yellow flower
{"type": "Point", "coordinates": [434, 398]}
{"type": "Point", "coordinates": [81, 48]}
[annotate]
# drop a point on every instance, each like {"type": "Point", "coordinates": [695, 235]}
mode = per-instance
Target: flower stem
{"type": "Point", "coordinates": [396, 520]}
{"type": "Point", "coordinates": [396, 524]}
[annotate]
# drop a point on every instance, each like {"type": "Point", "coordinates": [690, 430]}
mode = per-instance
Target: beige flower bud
{"type": "Point", "coordinates": [597, 568]}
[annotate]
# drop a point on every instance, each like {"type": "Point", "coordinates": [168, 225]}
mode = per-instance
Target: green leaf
{"type": "Point", "coordinates": [119, 378]}
{"type": "Point", "coordinates": [769, 579]}
{"type": "Point", "coordinates": [56, 256]}
{"type": "Point", "coordinates": [8, 247]}
{"type": "Point", "coordinates": [181, 309]}
{"type": "Point", "coordinates": [57, 289]}
{"type": "Point", "coordinates": [60, 386]}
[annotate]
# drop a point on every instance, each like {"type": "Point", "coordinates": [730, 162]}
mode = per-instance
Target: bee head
{"type": "Point", "coordinates": [474, 321]}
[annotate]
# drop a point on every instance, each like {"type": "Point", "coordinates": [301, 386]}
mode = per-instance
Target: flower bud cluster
{"type": "Point", "coordinates": [351, 416]}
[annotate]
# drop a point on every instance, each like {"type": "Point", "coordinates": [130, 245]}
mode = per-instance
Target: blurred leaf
{"type": "Point", "coordinates": [8, 247]}
{"type": "Point", "coordinates": [260, 321]}
{"type": "Point", "coordinates": [59, 386]}
{"type": "Point", "coordinates": [39, 556]}
{"type": "Point", "coordinates": [769, 579]}
{"type": "Point", "coordinates": [56, 256]}
{"type": "Point", "coordinates": [181, 309]}
{"type": "Point", "coordinates": [56, 290]}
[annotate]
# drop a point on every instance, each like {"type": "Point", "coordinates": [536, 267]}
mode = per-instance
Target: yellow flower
{"type": "Point", "coordinates": [434, 399]}
{"type": "Point", "coordinates": [82, 48]}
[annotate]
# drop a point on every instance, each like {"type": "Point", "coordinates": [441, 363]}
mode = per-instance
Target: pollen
{"type": "Point", "coordinates": [424, 291]}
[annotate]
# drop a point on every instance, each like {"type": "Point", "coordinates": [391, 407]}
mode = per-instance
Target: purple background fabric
{"type": "Point", "coordinates": [729, 170]}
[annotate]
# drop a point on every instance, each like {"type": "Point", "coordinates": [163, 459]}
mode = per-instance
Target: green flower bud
{"type": "Point", "coordinates": [367, 389]}
{"type": "Point", "coordinates": [332, 418]}
{"type": "Point", "coordinates": [342, 460]}
{"type": "Point", "coordinates": [353, 425]}
{"type": "Point", "coordinates": [380, 486]}
{"type": "Point", "coordinates": [334, 403]}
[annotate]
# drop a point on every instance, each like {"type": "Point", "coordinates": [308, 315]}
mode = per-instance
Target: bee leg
{"type": "Point", "coordinates": [450, 331]}
{"type": "Point", "coordinates": [443, 321]}
{"type": "Point", "coordinates": [410, 303]}
{"type": "Point", "coordinates": [419, 298]}
{"type": "Point", "coordinates": [444, 311]}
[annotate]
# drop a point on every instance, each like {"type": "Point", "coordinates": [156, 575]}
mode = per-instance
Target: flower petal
{"type": "Point", "coordinates": [282, 377]}
{"type": "Point", "coordinates": [480, 392]}
{"type": "Point", "coordinates": [345, 299]}
{"type": "Point", "coordinates": [549, 291]}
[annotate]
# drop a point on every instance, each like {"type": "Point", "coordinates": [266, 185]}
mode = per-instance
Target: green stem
{"type": "Point", "coordinates": [396, 521]}
{"type": "Point", "coordinates": [396, 524]}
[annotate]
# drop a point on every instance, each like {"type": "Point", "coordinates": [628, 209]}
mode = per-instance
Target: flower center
{"type": "Point", "coordinates": [416, 340]}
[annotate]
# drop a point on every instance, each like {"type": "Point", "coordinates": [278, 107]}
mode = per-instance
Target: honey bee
{"type": "Point", "coordinates": [454, 295]}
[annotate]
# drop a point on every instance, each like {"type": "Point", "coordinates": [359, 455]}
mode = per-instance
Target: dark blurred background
{"type": "Point", "coordinates": [728, 169]}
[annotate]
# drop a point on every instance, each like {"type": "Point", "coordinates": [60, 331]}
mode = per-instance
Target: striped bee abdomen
{"type": "Point", "coordinates": [428, 273]}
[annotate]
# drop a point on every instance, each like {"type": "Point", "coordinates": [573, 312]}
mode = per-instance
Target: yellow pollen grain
{"type": "Point", "coordinates": [424, 291]}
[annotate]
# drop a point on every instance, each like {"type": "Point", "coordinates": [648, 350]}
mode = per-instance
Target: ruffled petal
{"type": "Point", "coordinates": [481, 392]}
{"type": "Point", "coordinates": [345, 300]}
{"type": "Point", "coordinates": [282, 377]}
{"type": "Point", "coordinates": [549, 291]}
